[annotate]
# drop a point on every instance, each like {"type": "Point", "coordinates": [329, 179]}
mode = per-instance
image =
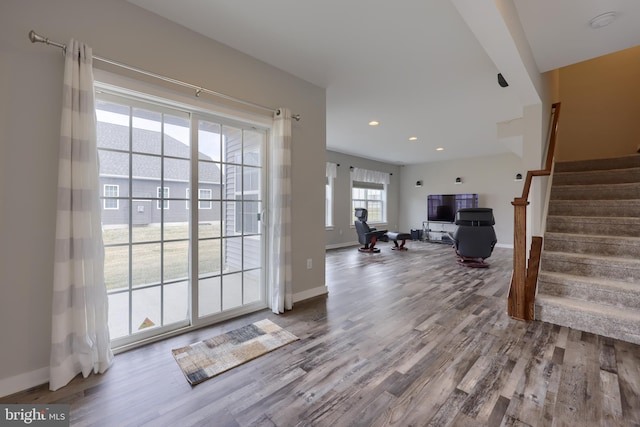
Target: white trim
{"type": "Point", "coordinates": [104, 193]}
{"type": "Point", "coordinates": [504, 245]}
{"type": "Point", "coordinates": [209, 200]}
{"type": "Point", "coordinates": [24, 381]}
{"type": "Point", "coordinates": [310, 293]}
{"type": "Point", "coordinates": [162, 199]}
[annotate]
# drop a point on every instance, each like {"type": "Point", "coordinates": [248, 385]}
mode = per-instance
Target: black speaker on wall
{"type": "Point", "coordinates": [501, 81]}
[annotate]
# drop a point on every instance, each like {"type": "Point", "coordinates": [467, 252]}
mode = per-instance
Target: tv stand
{"type": "Point", "coordinates": [438, 231]}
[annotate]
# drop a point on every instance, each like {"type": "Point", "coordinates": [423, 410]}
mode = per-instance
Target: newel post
{"type": "Point", "coordinates": [517, 296]}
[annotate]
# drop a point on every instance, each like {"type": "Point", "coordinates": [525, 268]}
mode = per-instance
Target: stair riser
{"type": "Point", "coordinates": [616, 270]}
{"type": "Point", "coordinates": [591, 292]}
{"type": "Point", "coordinates": [632, 161]}
{"type": "Point", "coordinates": [576, 319]}
{"type": "Point", "coordinates": [596, 192]}
{"type": "Point", "coordinates": [598, 208]}
{"type": "Point", "coordinates": [600, 247]}
{"type": "Point", "coordinates": [567, 225]}
{"type": "Point", "coordinates": [618, 176]}
{"type": "Point", "coordinates": [596, 285]}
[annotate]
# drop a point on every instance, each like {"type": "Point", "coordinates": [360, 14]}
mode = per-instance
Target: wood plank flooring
{"type": "Point", "coordinates": [403, 339]}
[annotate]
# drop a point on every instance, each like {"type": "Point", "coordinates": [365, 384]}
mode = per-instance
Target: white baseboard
{"type": "Point", "coordinates": [504, 245]}
{"type": "Point", "coordinates": [341, 245]}
{"type": "Point", "coordinates": [310, 293]}
{"type": "Point", "coordinates": [24, 381]}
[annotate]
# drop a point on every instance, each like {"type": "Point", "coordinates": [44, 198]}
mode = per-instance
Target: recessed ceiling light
{"type": "Point", "coordinates": [373, 123]}
{"type": "Point", "coordinates": [439, 149]}
{"type": "Point", "coordinates": [413, 138]}
{"type": "Point", "coordinates": [602, 20]}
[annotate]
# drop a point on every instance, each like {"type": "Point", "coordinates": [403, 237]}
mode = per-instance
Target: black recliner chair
{"type": "Point", "coordinates": [367, 236]}
{"type": "Point", "coordinates": [474, 238]}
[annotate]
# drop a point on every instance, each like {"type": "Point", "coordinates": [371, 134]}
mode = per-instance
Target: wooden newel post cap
{"type": "Point", "coordinates": [519, 201]}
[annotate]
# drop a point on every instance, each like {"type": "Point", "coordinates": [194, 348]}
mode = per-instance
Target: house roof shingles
{"type": "Point", "coordinates": [114, 163]}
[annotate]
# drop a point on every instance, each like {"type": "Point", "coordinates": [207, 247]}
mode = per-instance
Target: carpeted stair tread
{"type": "Point", "coordinates": [596, 192]}
{"type": "Point", "coordinates": [610, 176]}
{"type": "Point", "coordinates": [614, 226]}
{"type": "Point", "coordinates": [595, 208]}
{"type": "Point", "coordinates": [594, 259]}
{"type": "Point", "coordinates": [609, 321]}
{"type": "Point", "coordinates": [590, 265]}
{"type": "Point", "coordinates": [607, 267]}
{"type": "Point", "coordinates": [595, 244]}
{"type": "Point", "coordinates": [599, 290]}
{"type": "Point", "coordinates": [630, 161]}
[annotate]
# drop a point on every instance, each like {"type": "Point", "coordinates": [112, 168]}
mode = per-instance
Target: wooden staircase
{"type": "Point", "coordinates": [590, 266]}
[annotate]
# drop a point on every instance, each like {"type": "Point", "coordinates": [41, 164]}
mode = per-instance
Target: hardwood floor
{"type": "Point", "coordinates": [403, 339]}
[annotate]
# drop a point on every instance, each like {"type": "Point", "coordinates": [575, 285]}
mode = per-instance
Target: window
{"type": "Point", "coordinates": [204, 201]}
{"type": "Point", "coordinates": [163, 198]}
{"type": "Point", "coordinates": [372, 198]}
{"type": "Point", "coordinates": [369, 191]}
{"type": "Point", "coordinates": [328, 212]}
{"type": "Point", "coordinates": [110, 194]}
{"type": "Point", "coordinates": [204, 198]}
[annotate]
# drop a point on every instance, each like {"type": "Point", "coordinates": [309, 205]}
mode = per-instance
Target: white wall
{"type": "Point", "coordinates": [491, 177]}
{"type": "Point", "coordinates": [497, 26]}
{"type": "Point", "coordinates": [30, 99]}
{"type": "Point", "coordinates": [343, 232]}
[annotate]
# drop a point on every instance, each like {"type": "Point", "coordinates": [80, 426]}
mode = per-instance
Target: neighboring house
{"type": "Point", "coordinates": [149, 194]}
{"type": "Point", "coordinates": [161, 195]}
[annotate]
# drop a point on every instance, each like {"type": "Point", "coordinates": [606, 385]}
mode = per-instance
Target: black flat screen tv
{"type": "Point", "coordinates": [443, 207]}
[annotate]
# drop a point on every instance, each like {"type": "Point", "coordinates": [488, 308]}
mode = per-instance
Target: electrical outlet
{"type": "Point", "coordinates": [309, 264]}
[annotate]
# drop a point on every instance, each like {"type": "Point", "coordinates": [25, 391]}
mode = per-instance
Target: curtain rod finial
{"type": "Point", "coordinates": [35, 37]}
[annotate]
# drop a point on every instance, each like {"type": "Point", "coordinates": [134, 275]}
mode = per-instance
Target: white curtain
{"type": "Point", "coordinates": [332, 170]}
{"type": "Point", "coordinates": [280, 286]}
{"type": "Point", "coordinates": [366, 175]}
{"type": "Point", "coordinates": [79, 329]}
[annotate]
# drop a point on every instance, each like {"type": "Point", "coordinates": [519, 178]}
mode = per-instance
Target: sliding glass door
{"type": "Point", "coordinates": [230, 233]}
{"type": "Point", "coordinates": [162, 171]}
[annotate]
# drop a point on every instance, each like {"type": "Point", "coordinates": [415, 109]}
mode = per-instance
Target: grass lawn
{"type": "Point", "coordinates": [147, 253]}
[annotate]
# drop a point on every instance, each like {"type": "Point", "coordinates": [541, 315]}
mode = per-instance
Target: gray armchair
{"type": "Point", "coordinates": [474, 238]}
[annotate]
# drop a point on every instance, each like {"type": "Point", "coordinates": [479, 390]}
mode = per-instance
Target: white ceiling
{"type": "Point", "coordinates": [412, 65]}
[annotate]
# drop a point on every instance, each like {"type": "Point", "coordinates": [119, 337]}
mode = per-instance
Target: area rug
{"type": "Point", "coordinates": [206, 359]}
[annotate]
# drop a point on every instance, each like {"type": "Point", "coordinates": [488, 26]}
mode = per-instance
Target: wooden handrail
{"type": "Point", "coordinates": [522, 290]}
